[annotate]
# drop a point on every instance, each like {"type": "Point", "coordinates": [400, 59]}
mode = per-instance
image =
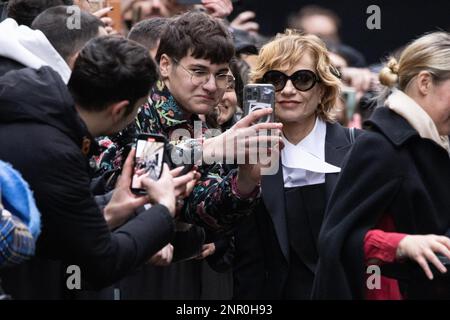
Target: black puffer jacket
{"type": "Point", "coordinates": [41, 135]}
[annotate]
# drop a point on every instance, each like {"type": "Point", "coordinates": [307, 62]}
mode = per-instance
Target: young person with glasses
{"type": "Point", "coordinates": [193, 55]}
{"type": "Point", "coordinates": [276, 249]}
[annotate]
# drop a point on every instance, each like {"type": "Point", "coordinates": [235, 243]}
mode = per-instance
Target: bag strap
{"type": "Point", "coordinates": [351, 132]}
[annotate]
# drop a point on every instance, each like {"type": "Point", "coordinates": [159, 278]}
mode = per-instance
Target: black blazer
{"type": "Point", "coordinates": [262, 246]}
{"type": "Point", "coordinates": [390, 170]}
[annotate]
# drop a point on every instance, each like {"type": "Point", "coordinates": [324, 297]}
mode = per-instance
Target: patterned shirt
{"type": "Point", "coordinates": [214, 203]}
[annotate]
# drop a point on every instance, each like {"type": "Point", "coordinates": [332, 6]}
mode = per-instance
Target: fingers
{"type": "Point", "coordinates": [139, 201]}
{"type": "Point", "coordinates": [431, 257]}
{"type": "Point", "coordinates": [107, 21]}
{"type": "Point", "coordinates": [207, 250]}
{"type": "Point", "coordinates": [444, 240]}
{"type": "Point", "coordinates": [102, 12]}
{"type": "Point", "coordinates": [252, 117]}
{"type": "Point", "coordinates": [276, 126]}
{"type": "Point", "coordinates": [163, 257]}
{"type": "Point", "coordinates": [190, 186]}
{"type": "Point", "coordinates": [424, 265]}
{"type": "Point", "coordinates": [127, 170]}
{"type": "Point", "coordinates": [166, 171]}
{"type": "Point", "coordinates": [243, 22]}
{"type": "Point", "coordinates": [250, 27]}
{"type": "Point", "coordinates": [184, 179]}
{"type": "Point", "coordinates": [218, 8]}
{"type": "Point", "coordinates": [175, 172]}
{"type": "Point", "coordinates": [244, 17]}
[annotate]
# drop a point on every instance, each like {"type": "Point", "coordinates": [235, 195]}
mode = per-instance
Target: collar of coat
{"type": "Point", "coordinates": [393, 126]}
{"type": "Point", "coordinates": [416, 116]}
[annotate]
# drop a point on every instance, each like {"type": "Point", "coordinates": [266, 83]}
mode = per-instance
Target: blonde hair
{"type": "Point", "coordinates": [430, 52]}
{"type": "Point", "coordinates": [286, 50]}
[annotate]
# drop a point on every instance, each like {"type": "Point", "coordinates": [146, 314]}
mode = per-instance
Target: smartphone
{"type": "Point", "coordinates": [258, 96]}
{"type": "Point", "coordinates": [149, 159]}
{"type": "Point", "coordinates": [349, 97]}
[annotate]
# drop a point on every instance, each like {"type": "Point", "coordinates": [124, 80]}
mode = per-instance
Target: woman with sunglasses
{"type": "Point", "coordinates": [276, 249]}
{"type": "Point", "coordinates": [390, 211]}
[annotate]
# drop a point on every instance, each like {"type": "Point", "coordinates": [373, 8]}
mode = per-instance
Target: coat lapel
{"type": "Point", "coordinates": [272, 187]}
{"type": "Point", "coordinates": [337, 144]}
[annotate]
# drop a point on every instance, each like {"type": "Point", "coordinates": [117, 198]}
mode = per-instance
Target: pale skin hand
{"type": "Point", "coordinates": [218, 8]}
{"type": "Point", "coordinates": [244, 22]}
{"type": "Point", "coordinates": [245, 130]}
{"type": "Point", "coordinates": [102, 14]}
{"type": "Point", "coordinates": [207, 250]}
{"type": "Point", "coordinates": [249, 175]}
{"type": "Point", "coordinates": [163, 257]}
{"type": "Point", "coordinates": [123, 203]}
{"type": "Point", "coordinates": [359, 78]}
{"type": "Point", "coordinates": [161, 191]}
{"type": "Point", "coordinates": [423, 249]}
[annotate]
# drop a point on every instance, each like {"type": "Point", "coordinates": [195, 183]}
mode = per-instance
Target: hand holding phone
{"type": "Point", "coordinates": [259, 96]}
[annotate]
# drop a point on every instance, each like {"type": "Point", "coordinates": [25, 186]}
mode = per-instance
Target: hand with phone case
{"type": "Point", "coordinates": [259, 96]}
{"type": "Point", "coordinates": [124, 203]}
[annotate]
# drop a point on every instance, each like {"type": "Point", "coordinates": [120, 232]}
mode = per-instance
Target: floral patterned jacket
{"type": "Point", "coordinates": [214, 202]}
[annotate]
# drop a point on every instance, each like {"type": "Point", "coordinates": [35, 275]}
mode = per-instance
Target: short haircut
{"type": "Point", "coordinates": [110, 69]}
{"type": "Point", "coordinates": [285, 52]}
{"type": "Point", "coordinates": [67, 42]}
{"type": "Point", "coordinates": [25, 11]}
{"type": "Point", "coordinates": [198, 34]}
{"type": "Point", "coordinates": [148, 31]}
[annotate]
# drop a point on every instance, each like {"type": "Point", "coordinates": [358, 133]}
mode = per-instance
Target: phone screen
{"type": "Point", "coordinates": [148, 161]}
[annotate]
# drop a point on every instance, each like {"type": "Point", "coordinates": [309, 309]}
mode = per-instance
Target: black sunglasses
{"type": "Point", "coordinates": [303, 80]}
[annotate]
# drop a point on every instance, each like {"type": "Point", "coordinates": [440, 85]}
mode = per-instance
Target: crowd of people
{"type": "Point", "coordinates": [361, 156]}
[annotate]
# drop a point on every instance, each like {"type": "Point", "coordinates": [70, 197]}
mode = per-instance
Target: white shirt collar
{"type": "Point", "coordinates": [308, 154]}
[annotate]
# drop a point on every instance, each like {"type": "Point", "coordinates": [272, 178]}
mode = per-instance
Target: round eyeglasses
{"type": "Point", "coordinates": [200, 77]}
{"type": "Point", "coordinates": [303, 80]}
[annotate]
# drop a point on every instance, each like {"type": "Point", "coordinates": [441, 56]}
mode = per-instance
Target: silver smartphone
{"type": "Point", "coordinates": [258, 96]}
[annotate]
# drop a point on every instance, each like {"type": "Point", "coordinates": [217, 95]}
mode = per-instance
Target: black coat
{"type": "Point", "coordinates": [262, 246]}
{"type": "Point", "coordinates": [41, 136]}
{"type": "Point", "coordinates": [390, 170]}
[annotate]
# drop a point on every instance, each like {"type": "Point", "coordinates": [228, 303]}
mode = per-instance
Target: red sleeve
{"type": "Point", "coordinates": [381, 243]}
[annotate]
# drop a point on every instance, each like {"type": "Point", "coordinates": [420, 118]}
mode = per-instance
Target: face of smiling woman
{"type": "Point", "coordinates": [293, 105]}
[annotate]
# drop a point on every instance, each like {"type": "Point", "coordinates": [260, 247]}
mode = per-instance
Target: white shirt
{"type": "Point", "coordinates": [304, 163]}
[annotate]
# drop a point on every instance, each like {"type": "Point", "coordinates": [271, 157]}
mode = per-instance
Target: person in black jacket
{"type": "Point", "coordinates": [276, 248]}
{"type": "Point", "coordinates": [395, 185]}
{"type": "Point", "coordinates": [50, 130]}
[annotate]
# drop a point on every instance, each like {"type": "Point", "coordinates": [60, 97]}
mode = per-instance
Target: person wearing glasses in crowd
{"type": "Point", "coordinates": [276, 248]}
{"type": "Point", "coordinates": [194, 54]}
